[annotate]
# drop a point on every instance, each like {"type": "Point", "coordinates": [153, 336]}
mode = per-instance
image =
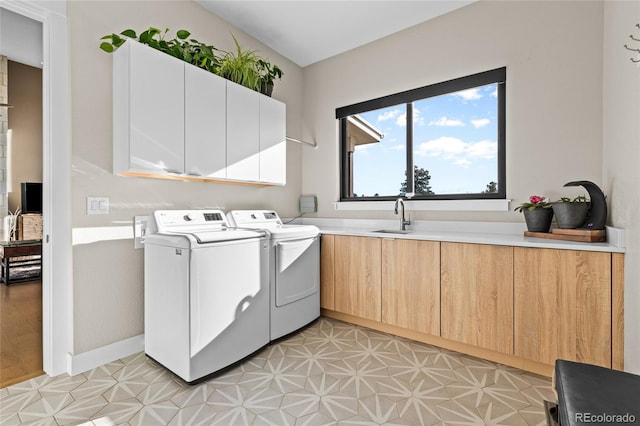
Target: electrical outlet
{"type": "Point", "coordinates": [97, 205]}
{"type": "Point", "coordinates": [139, 231]}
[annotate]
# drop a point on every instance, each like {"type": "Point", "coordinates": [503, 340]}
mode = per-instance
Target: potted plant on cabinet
{"type": "Point", "coordinates": [537, 214]}
{"type": "Point", "coordinates": [189, 50]}
{"type": "Point", "coordinates": [244, 67]}
{"type": "Point", "coordinates": [571, 213]}
{"type": "Point", "coordinates": [241, 67]}
{"type": "Point", "coordinates": [268, 73]}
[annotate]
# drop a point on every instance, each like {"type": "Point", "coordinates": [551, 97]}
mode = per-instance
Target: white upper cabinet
{"type": "Point", "coordinates": [243, 133]}
{"type": "Point", "coordinates": [205, 115]}
{"type": "Point", "coordinates": [273, 144]}
{"type": "Point", "coordinates": [171, 118]}
{"type": "Point", "coordinates": [148, 111]}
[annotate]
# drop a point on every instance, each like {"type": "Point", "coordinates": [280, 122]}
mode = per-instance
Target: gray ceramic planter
{"type": "Point", "coordinates": [538, 220]}
{"type": "Point", "coordinates": [570, 215]}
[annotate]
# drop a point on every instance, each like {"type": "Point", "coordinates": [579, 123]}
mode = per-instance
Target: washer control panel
{"type": "Point", "coordinates": [177, 220]}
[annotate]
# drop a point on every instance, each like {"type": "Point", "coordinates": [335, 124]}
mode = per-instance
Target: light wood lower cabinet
{"type": "Point", "coordinates": [411, 284]}
{"type": "Point", "coordinates": [357, 276]}
{"type": "Point", "coordinates": [477, 295]}
{"type": "Point", "coordinates": [562, 305]}
{"type": "Point", "coordinates": [327, 273]}
{"type": "Point", "coordinates": [524, 307]}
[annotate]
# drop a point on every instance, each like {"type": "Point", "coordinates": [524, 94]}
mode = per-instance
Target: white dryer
{"type": "Point", "coordinates": [206, 292]}
{"type": "Point", "coordinates": [294, 277]}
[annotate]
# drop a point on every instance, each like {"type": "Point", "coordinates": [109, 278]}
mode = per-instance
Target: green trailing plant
{"type": "Point", "coordinates": [182, 47]}
{"type": "Point", "coordinates": [241, 66]}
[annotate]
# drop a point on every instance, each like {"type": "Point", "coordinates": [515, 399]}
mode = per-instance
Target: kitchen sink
{"type": "Point", "coordinates": [393, 231]}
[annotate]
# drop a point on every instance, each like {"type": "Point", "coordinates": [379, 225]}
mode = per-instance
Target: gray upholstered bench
{"type": "Point", "coordinates": [588, 394]}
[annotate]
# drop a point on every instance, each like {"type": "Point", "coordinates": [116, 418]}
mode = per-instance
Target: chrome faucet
{"type": "Point", "coordinates": [403, 221]}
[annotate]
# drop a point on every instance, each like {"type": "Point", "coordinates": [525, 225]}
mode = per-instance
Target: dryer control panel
{"type": "Point", "coordinates": [254, 219]}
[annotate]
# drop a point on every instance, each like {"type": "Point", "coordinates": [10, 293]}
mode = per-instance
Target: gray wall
{"type": "Point", "coordinates": [107, 271]}
{"type": "Point", "coordinates": [573, 107]}
{"type": "Point", "coordinates": [553, 55]}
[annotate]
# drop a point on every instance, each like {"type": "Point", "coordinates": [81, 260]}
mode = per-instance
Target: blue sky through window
{"type": "Point", "coordinates": [455, 137]}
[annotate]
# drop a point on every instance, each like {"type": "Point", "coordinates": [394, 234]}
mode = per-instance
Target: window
{"type": "Point", "coordinates": [444, 141]}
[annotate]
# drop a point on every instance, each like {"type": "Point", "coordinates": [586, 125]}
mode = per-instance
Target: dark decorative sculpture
{"type": "Point", "coordinates": [598, 216]}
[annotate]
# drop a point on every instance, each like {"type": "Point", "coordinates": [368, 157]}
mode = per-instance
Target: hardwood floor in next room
{"type": "Point", "coordinates": [20, 332]}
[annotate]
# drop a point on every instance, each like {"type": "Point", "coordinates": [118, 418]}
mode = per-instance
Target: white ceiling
{"type": "Point", "coordinates": [309, 31]}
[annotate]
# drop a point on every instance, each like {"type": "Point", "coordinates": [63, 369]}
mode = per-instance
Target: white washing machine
{"type": "Point", "coordinates": [206, 292]}
{"type": "Point", "coordinates": [294, 269]}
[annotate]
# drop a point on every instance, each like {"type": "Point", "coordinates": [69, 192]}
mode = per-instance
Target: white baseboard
{"type": "Point", "coordinates": [86, 361]}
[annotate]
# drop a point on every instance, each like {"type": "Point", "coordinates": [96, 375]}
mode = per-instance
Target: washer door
{"type": "Point", "coordinates": [297, 272]}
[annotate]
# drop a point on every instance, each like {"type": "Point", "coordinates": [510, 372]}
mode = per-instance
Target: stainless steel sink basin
{"type": "Point", "coordinates": [393, 231]}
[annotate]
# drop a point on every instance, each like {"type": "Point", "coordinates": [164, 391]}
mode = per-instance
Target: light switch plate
{"type": "Point", "coordinates": [97, 205]}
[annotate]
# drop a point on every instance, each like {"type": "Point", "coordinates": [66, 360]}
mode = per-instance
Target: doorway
{"type": "Point", "coordinates": [21, 147]}
{"type": "Point", "coordinates": [56, 180]}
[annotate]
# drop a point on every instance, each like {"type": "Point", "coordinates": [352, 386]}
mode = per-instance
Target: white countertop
{"type": "Point", "coordinates": [496, 233]}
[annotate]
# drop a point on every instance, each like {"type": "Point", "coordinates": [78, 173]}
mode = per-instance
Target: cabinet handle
{"type": "Point", "coordinates": [194, 174]}
{"type": "Point", "coordinates": [175, 172]}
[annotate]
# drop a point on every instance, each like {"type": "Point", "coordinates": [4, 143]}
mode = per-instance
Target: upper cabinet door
{"type": "Point", "coordinates": [205, 124]}
{"type": "Point", "coordinates": [243, 133]}
{"type": "Point", "coordinates": [156, 102]}
{"type": "Point", "coordinates": [273, 145]}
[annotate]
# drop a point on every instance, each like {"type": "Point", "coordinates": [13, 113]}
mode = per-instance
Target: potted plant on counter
{"type": "Point", "coordinates": [571, 213]}
{"type": "Point", "coordinates": [537, 214]}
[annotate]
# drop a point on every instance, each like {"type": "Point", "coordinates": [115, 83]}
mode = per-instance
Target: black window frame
{"type": "Point", "coordinates": [496, 76]}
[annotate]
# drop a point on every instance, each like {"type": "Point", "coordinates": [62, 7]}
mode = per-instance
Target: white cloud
{"type": "Point", "coordinates": [458, 152]}
{"type": "Point", "coordinates": [446, 147]}
{"type": "Point", "coordinates": [388, 115]}
{"type": "Point", "coordinates": [483, 149]}
{"type": "Point", "coordinates": [398, 147]}
{"type": "Point", "coordinates": [494, 93]}
{"type": "Point", "coordinates": [446, 122]}
{"type": "Point", "coordinates": [469, 94]}
{"type": "Point", "coordinates": [480, 123]}
{"type": "Point", "coordinates": [418, 120]}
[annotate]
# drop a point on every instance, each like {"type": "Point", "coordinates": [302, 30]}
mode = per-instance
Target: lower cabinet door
{"type": "Point", "coordinates": [411, 284]}
{"type": "Point", "coordinates": [477, 295]}
{"type": "Point", "coordinates": [357, 276]}
{"type": "Point", "coordinates": [562, 305]}
{"type": "Point", "coordinates": [327, 274]}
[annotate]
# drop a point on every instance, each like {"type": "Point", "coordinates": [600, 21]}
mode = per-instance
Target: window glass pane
{"type": "Point", "coordinates": [455, 148]}
{"type": "Point", "coordinates": [449, 135]}
{"type": "Point", "coordinates": [377, 146]}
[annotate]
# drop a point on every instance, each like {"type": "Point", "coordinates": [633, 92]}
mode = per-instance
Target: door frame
{"type": "Point", "coordinates": [57, 266]}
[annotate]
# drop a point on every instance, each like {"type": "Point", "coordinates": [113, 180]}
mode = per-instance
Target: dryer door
{"type": "Point", "coordinates": [297, 272]}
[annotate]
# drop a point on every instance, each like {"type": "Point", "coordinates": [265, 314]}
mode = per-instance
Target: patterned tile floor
{"type": "Point", "coordinates": [331, 373]}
